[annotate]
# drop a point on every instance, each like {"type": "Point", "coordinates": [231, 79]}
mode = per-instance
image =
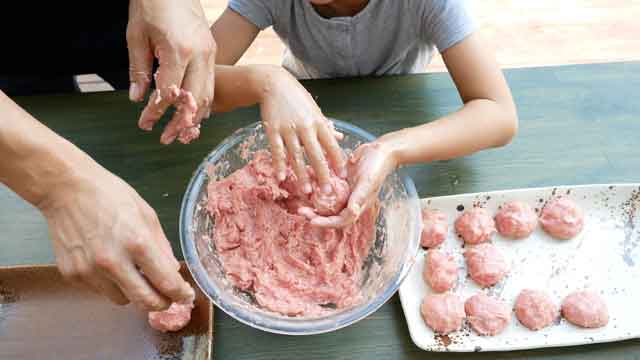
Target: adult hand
{"type": "Point", "coordinates": [369, 166]}
{"type": "Point", "coordinates": [295, 126]}
{"type": "Point", "coordinates": [177, 34]}
{"type": "Point", "coordinates": [108, 238]}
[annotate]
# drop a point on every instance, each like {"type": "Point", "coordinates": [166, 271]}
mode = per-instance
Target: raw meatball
{"type": "Point", "coordinates": [562, 218]}
{"type": "Point", "coordinates": [586, 309]}
{"type": "Point", "coordinates": [535, 309]}
{"type": "Point", "coordinates": [435, 228]}
{"type": "Point", "coordinates": [174, 318]}
{"type": "Point", "coordinates": [440, 271]}
{"type": "Point", "coordinates": [487, 315]}
{"type": "Point", "coordinates": [443, 313]}
{"type": "Point", "coordinates": [485, 264]}
{"type": "Point", "coordinates": [333, 203]}
{"type": "Point", "coordinates": [516, 220]}
{"type": "Point", "coordinates": [475, 226]}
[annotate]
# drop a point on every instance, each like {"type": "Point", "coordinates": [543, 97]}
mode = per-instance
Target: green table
{"type": "Point", "coordinates": [578, 125]}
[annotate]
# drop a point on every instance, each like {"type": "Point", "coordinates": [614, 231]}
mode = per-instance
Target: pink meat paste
{"type": "Point", "coordinates": [562, 218]}
{"type": "Point", "coordinates": [486, 315]}
{"type": "Point", "coordinates": [332, 203]}
{"type": "Point", "coordinates": [516, 220]}
{"type": "Point", "coordinates": [535, 309]}
{"type": "Point", "coordinates": [440, 271]}
{"type": "Point", "coordinates": [268, 250]}
{"type": "Point", "coordinates": [586, 309]}
{"type": "Point", "coordinates": [435, 228]}
{"type": "Point", "coordinates": [174, 318]}
{"type": "Point", "coordinates": [443, 313]}
{"type": "Point", "coordinates": [485, 264]}
{"type": "Point", "coordinates": [475, 226]}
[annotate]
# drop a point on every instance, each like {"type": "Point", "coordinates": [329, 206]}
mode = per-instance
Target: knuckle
{"type": "Point", "coordinates": [213, 46]}
{"type": "Point", "coordinates": [306, 127]}
{"type": "Point", "coordinates": [132, 34]}
{"type": "Point", "coordinates": [170, 287]}
{"type": "Point", "coordinates": [279, 155]}
{"type": "Point", "coordinates": [119, 300]}
{"type": "Point", "coordinates": [149, 213]}
{"type": "Point", "coordinates": [136, 246]}
{"type": "Point", "coordinates": [150, 302]}
{"type": "Point", "coordinates": [106, 261]}
{"type": "Point", "coordinates": [69, 274]}
{"type": "Point", "coordinates": [184, 49]}
{"type": "Point", "coordinates": [84, 271]}
{"type": "Point", "coordinates": [208, 50]}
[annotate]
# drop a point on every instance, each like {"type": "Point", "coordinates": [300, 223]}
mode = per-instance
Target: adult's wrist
{"type": "Point", "coordinates": [49, 172]}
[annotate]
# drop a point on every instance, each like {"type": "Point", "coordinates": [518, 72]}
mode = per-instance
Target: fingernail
{"type": "Point", "coordinates": [306, 189]}
{"type": "Point", "coordinates": [343, 173]}
{"type": "Point", "coordinates": [144, 124]}
{"type": "Point", "coordinates": [327, 188]}
{"type": "Point", "coordinates": [281, 176]}
{"type": "Point", "coordinates": [134, 92]}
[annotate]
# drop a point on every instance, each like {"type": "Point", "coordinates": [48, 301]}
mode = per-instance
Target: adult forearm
{"type": "Point", "coordinates": [34, 161]}
{"type": "Point", "coordinates": [480, 124]}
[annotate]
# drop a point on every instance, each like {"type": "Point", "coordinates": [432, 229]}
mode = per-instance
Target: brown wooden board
{"type": "Point", "coordinates": [44, 317]}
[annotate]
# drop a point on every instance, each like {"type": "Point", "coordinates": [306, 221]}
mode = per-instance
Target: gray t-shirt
{"type": "Point", "coordinates": [386, 37]}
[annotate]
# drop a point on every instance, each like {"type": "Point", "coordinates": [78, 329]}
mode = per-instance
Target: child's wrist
{"type": "Point", "coordinates": [392, 145]}
{"type": "Point", "coordinates": [265, 79]}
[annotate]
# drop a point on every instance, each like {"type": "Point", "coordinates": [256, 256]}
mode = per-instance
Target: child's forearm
{"type": "Point", "coordinates": [241, 86]}
{"type": "Point", "coordinates": [480, 124]}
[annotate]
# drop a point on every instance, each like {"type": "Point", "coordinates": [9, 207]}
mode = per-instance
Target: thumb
{"type": "Point", "coordinates": [361, 196]}
{"type": "Point", "coordinates": [140, 63]}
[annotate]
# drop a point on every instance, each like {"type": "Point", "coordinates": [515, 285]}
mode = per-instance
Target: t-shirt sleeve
{"type": "Point", "coordinates": [446, 22]}
{"type": "Point", "coordinates": [260, 13]}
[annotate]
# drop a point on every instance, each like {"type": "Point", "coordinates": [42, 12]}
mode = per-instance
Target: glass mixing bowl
{"type": "Point", "coordinates": [391, 255]}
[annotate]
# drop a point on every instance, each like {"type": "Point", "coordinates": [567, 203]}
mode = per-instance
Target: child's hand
{"type": "Point", "coordinates": [295, 126]}
{"type": "Point", "coordinates": [368, 168]}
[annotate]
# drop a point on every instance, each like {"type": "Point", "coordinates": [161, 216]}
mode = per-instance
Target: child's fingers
{"type": "Point", "coordinates": [336, 134]}
{"type": "Point", "coordinates": [189, 134]}
{"type": "Point", "coordinates": [316, 158]}
{"type": "Point", "coordinates": [278, 152]}
{"type": "Point", "coordinates": [366, 189]}
{"type": "Point", "coordinates": [334, 152]}
{"type": "Point", "coordinates": [182, 119]}
{"type": "Point", "coordinates": [295, 153]}
{"type": "Point", "coordinates": [307, 212]}
{"type": "Point", "coordinates": [345, 218]}
{"type": "Point", "coordinates": [172, 130]}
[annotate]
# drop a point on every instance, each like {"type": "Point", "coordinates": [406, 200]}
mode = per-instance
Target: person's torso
{"type": "Point", "coordinates": [384, 38]}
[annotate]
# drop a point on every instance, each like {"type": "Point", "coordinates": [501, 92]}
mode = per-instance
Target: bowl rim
{"type": "Point", "coordinates": [274, 323]}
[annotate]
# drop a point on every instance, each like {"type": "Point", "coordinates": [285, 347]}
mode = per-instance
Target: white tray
{"type": "Point", "coordinates": [605, 256]}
